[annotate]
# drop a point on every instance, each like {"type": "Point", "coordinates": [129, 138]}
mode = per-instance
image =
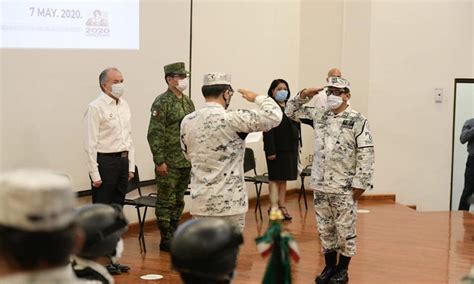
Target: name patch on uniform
{"type": "Point", "coordinates": [348, 123]}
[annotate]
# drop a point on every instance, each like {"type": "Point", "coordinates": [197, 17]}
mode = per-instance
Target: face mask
{"type": "Point", "coordinates": [118, 251]}
{"type": "Point", "coordinates": [334, 102]}
{"type": "Point", "coordinates": [117, 90]}
{"type": "Point", "coordinates": [281, 95]}
{"type": "Point", "coordinates": [182, 84]}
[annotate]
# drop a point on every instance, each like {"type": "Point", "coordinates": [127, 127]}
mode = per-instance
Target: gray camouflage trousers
{"type": "Point", "coordinates": [336, 216]}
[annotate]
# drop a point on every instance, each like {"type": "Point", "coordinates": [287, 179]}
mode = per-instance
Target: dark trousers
{"type": "Point", "coordinates": [468, 184]}
{"type": "Point", "coordinates": [114, 174]}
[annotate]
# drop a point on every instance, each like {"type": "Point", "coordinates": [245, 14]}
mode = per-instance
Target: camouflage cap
{"type": "Point", "coordinates": [338, 82]}
{"type": "Point", "coordinates": [36, 200]}
{"type": "Point", "coordinates": [175, 68]}
{"type": "Point", "coordinates": [216, 78]}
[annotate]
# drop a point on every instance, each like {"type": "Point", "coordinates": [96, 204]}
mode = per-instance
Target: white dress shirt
{"type": "Point", "coordinates": [108, 130]}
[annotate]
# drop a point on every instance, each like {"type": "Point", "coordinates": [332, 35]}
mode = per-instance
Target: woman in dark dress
{"type": "Point", "coordinates": [281, 146]}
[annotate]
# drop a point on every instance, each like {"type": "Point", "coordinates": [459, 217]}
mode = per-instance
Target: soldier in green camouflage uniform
{"type": "Point", "coordinates": [342, 170]}
{"type": "Point", "coordinates": [171, 168]}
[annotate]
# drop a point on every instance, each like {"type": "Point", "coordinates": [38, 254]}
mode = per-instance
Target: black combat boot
{"type": "Point", "coordinates": [341, 276]}
{"type": "Point", "coordinates": [166, 235]}
{"type": "Point", "coordinates": [329, 270]}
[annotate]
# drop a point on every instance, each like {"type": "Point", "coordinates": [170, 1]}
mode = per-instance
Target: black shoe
{"type": "Point", "coordinates": [340, 277]}
{"type": "Point", "coordinates": [324, 277]}
{"type": "Point", "coordinates": [112, 269]}
{"type": "Point", "coordinates": [285, 213]}
{"type": "Point", "coordinates": [121, 268]}
{"type": "Point", "coordinates": [165, 246]}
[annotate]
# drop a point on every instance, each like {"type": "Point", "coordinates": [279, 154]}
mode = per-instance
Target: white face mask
{"type": "Point", "coordinates": [182, 84]}
{"type": "Point", "coordinates": [334, 102]}
{"type": "Point", "coordinates": [117, 90]}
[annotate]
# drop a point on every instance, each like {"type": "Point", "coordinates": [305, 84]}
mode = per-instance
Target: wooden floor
{"type": "Point", "coordinates": [395, 244]}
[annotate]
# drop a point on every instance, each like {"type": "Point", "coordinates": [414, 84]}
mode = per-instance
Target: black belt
{"type": "Point", "coordinates": [123, 154]}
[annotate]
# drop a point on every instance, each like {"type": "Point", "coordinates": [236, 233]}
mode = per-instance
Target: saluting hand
{"type": "Point", "coordinates": [162, 169]}
{"type": "Point", "coordinates": [310, 92]}
{"type": "Point", "coordinates": [248, 95]}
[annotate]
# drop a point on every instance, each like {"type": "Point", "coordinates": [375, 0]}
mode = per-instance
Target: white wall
{"type": "Point", "coordinates": [320, 49]}
{"type": "Point", "coordinates": [396, 53]}
{"type": "Point", "coordinates": [45, 92]}
{"type": "Point", "coordinates": [355, 51]}
{"type": "Point", "coordinates": [415, 48]}
{"type": "Point", "coordinates": [254, 41]}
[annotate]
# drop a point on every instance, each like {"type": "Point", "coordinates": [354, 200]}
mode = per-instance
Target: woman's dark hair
{"type": "Point", "coordinates": [27, 250]}
{"type": "Point", "coordinates": [214, 91]}
{"type": "Point", "coordinates": [274, 84]}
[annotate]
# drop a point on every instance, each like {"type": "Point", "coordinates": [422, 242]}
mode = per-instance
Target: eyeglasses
{"type": "Point", "coordinates": [336, 92]}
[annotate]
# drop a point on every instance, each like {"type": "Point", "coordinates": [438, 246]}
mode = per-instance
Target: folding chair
{"type": "Point", "coordinates": [141, 201]}
{"type": "Point", "coordinates": [256, 179]}
{"type": "Point", "coordinates": [306, 172]}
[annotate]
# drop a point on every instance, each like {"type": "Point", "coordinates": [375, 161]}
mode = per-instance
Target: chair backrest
{"type": "Point", "coordinates": [134, 183]}
{"type": "Point", "coordinates": [249, 161]}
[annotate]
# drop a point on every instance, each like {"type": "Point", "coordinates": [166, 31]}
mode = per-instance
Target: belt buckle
{"type": "Point", "coordinates": [124, 154]}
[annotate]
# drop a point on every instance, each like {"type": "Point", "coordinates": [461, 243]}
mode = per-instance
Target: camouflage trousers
{"type": "Point", "coordinates": [170, 200]}
{"type": "Point", "coordinates": [238, 220]}
{"type": "Point", "coordinates": [336, 216]}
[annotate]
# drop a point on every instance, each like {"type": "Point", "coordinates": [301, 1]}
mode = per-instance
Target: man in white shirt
{"type": "Point", "coordinates": [108, 140]}
{"type": "Point", "coordinates": [213, 140]}
{"type": "Point", "coordinates": [321, 100]}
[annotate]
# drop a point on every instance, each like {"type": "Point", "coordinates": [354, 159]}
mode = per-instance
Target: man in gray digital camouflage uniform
{"type": "Point", "coordinates": [342, 170]}
{"type": "Point", "coordinates": [213, 140]}
{"type": "Point", "coordinates": [171, 168]}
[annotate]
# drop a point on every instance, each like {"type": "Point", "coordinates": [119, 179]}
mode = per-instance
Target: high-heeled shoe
{"type": "Point", "coordinates": [285, 213]}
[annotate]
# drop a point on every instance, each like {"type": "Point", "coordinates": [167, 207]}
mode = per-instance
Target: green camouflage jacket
{"type": "Point", "coordinates": [167, 112]}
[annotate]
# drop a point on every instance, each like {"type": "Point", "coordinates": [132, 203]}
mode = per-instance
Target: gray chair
{"type": "Point", "coordinates": [139, 202]}
{"type": "Point", "coordinates": [256, 179]}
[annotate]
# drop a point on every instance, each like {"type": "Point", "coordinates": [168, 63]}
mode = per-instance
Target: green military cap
{"type": "Point", "coordinates": [176, 68]}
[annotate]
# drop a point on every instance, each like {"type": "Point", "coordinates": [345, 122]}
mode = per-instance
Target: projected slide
{"type": "Point", "coordinates": [79, 24]}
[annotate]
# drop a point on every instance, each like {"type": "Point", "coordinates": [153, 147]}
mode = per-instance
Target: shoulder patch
{"type": "Point", "coordinates": [348, 123]}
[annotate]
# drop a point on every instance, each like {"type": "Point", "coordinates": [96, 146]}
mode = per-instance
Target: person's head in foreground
{"type": "Point", "coordinates": [37, 231]}
{"type": "Point", "coordinates": [205, 250]}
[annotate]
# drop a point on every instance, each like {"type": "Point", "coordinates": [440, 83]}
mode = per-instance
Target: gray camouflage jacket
{"type": "Point", "coordinates": [212, 139]}
{"type": "Point", "coordinates": [343, 151]}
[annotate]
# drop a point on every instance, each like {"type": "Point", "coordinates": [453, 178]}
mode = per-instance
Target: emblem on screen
{"type": "Point", "coordinates": [98, 25]}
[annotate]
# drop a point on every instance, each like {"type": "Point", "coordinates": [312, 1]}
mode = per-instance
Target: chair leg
{"type": "Point", "coordinates": [304, 196]}
{"type": "Point", "coordinates": [303, 192]}
{"type": "Point", "coordinates": [301, 188]}
{"type": "Point", "coordinates": [143, 234]}
{"type": "Point", "coordinates": [258, 190]}
{"type": "Point", "coordinates": [141, 239]}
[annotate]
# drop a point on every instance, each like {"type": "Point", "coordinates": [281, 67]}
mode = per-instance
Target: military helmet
{"type": "Point", "coordinates": [103, 226]}
{"type": "Point", "coordinates": [206, 248]}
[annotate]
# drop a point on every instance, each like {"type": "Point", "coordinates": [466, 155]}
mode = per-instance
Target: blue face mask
{"type": "Point", "coordinates": [281, 95]}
